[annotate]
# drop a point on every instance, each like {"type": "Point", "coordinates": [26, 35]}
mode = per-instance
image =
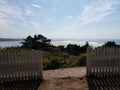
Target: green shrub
{"type": "Point", "coordinates": [82, 60]}
{"type": "Point", "coordinates": [46, 64]}
{"type": "Point", "coordinates": [55, 64]}
{"type": "Point", "coordinates": [57, 59]}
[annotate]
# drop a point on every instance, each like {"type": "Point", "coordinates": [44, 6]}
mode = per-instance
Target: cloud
{"type": "Point", "coordinates": [36, 25]}
{"type": "Point", "coordinates": [8, 12]}
{"type": "Point", "coordinates": [36, 6]}
{"type": "Point", "coordinates": [3, 1]}
{"type": "Point", "coordinates": [13, 19]}
{"type": "Point", "coordinates": [9, 17]}
{"type": "Point", "coordinates": [70, 17]}
{"type": "Point", "coordinates": [4, 23]}
{"type": "Point", "coordinates": [28, 12]}
{"type": "Point", "coordinates": [3, 15]}
{"type": "Point", "coordinates": [97, 10]}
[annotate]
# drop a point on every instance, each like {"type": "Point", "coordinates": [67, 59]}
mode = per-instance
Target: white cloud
{"type": "Point", "coordinates": [36, 6]}
{"type": "Point", "coordinates": [3, 1]}
{"type": "Point", "coordinates": [70, 17]}
{"type": "Point", "coordinates": [11, 12]}
{"type": "Point", "coordinates": [9, 15]}
{"type": "Point", "coordinates": [28, 12]}
{"type": "Point", "coordinates": [4, 23]}
{"type": "Point", "coordinates": [3, 15]}
{"type": "Point", "coordinates": [36, 25]}
{"type": "Point", "coordinates": [97, 10]}
{"type": "Point", "coordinates": [12, 19]}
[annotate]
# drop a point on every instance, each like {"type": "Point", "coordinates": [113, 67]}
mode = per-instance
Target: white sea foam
{"type": "Point", "coordinates": [81, 43]}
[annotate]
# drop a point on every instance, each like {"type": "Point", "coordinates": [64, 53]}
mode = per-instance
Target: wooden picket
{"type": "Point", "coordinates": [103, 60]}
{"type": "Point", "coordinates": [20, 65]}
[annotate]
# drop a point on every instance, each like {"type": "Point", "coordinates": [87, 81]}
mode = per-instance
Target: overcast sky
{"type": "Point", "coordinates": [67, 19]}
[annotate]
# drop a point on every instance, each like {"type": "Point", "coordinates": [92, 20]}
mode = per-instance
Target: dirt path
{"type": "Point", "coordinates": [63, 73]}
{"type": "Point", "coordinates": [64, 79]}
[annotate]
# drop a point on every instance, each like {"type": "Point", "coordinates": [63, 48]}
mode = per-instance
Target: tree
{"type": "Point", "coordinates": [110, 44]}
{"type": "Point", "coordinates": [84, 48]}
{"type": "Point", "coordinates": [28, 42]}
{"type": "Point", "coordinates": [73, 49]}
{"type": "Point", "coordinates": [62, 48]}
{"type": "Point", "coordinates": [37, 42]}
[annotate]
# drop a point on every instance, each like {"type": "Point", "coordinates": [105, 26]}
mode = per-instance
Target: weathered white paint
{"type": "Point", "coordinates": [20, 65]}
{"type": "Point", "coordinates": [103, 60]}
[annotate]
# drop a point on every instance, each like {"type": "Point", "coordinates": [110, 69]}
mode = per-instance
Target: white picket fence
{"type": "Point", "coordinates": [103, 60]}
{"type": "Point", "coordinates": [20, 65]}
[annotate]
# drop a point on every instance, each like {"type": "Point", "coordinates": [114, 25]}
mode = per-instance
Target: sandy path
{"type": "Point", "coordinates": [64, 84]}
{"type": "Point", "coordinates": [63, 73]}
{"type": "Point", "coordinates": [64, 79]}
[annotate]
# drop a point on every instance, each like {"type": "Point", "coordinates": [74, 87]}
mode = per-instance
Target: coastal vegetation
{"type": "Point", "coordinates": [58, 56]}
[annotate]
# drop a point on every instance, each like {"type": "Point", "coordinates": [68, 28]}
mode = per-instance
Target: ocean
{"type": "Point", "coordinates": [65, 42]}
{"type": "Point", "coordinates": [14, 43]}
{"type": "Point", "coordinates": [81, 42]}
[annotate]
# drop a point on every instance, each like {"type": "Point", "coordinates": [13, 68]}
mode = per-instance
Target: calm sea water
{"type": "Point", "coordinates": [10, 43]}
{"type": "Point", "coordinates": [56, 42]}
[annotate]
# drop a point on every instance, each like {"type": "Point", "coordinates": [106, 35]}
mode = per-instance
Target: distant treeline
{"type": "Point", "coordinates": [39, 42]}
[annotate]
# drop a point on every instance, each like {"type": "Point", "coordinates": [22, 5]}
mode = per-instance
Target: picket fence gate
{"type": "Point", "coordinates": [103, 61]}
{"type": "Point", "coordinates": [20, 65]}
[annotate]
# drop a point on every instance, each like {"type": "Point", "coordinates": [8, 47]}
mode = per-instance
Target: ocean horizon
{"type": "Point", "coordinates": [81, 42]}
{"type": "Point", "coordinates": [65, 42]}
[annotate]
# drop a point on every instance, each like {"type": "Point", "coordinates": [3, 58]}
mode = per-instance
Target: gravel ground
{"type": "Point", "coordinates": [64, 79]}
{"type": "Point", "coordinates": [63, 73]}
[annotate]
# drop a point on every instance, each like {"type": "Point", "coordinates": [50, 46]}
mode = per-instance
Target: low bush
{"type": "Point", "coordinates": [82, 60]}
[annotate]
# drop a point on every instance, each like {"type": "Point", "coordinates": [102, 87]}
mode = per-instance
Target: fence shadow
{"type": "Point", "coordinates": [21, 85]}
{"type": "Point", "coordinates": [107, 82]}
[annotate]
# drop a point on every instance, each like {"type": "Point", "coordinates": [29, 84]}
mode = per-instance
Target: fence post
{"type": "Point", "coordinates": [89, 61]}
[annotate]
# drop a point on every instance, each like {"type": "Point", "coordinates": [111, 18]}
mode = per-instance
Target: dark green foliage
{"type": "Point", "coordinates": [111, 44]}
{"type": "Point", "coordinates": [55, 63]}
{"type": "Point", "coordinates": [57, 59]}
{"type": "Point", "coordinates": [28, 42]}
{"type": "Point", "coordinates": [84, 48]}
{"type": "Point", "coordinates": [46, 65]}
{"type": "Point", "coordinates": [62, 48]}
{"type": "Point", "coordinates": [56, 52]}
{"type": "Point", "coordinates": [82, 60]}
{"type": "Point", "coordinates": [74, 49]}
{"type": "Point", "coordinates": [37, 42]}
